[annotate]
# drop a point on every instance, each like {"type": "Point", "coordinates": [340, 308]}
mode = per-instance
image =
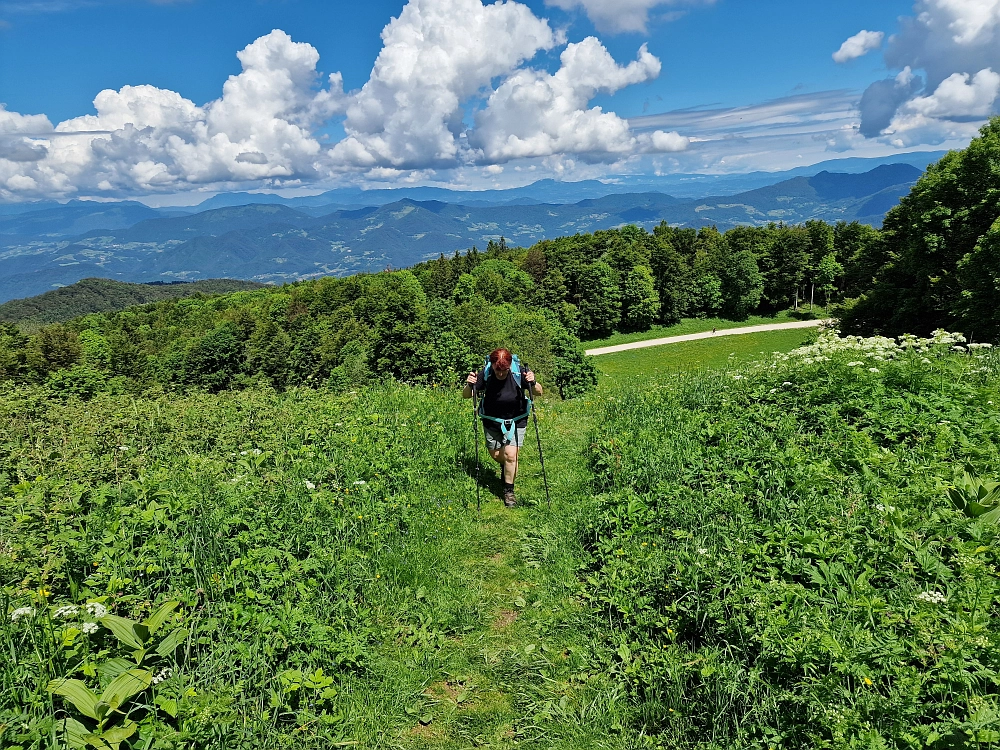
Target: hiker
{"type": "Point", "coordinates": [504, 411]}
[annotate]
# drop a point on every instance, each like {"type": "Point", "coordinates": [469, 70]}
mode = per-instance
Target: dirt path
{"type": "Point", "coordinates": [703, 335]}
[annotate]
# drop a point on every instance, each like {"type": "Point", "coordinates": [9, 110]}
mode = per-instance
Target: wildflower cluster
{"type": "Point", "coordinates": [96, 610]}
{"type": "Point", "coordinates": [163, 674]}
{"type": "Point", "coordinates": [23, 613]}
{"type": "Point", "coordinates": [932, 597]}
{"type": "Point", "coordinates": [877, 348]}
{"type": "Point", "coordinates": [64, 613]}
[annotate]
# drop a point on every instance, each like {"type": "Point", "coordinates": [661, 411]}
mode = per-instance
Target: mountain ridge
{"type": "Point", "coordinates": [275, 243]}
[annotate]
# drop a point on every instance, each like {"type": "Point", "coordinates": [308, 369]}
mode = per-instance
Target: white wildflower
{"type": "Point", "coordinates": [980, 346]}
{"type": "Point", "coordinates": [243, 453]}
{"type": "Point", "coordinates": [925, 361]}
{"type": "Point", "coordinates": [737, 377]}
{"type": "Point", "coordinates": [885, 508]}
{"type": "Point", "coordinates": [855, 364]}
{"type": "Point", "coordinates": [310, 485]}
{"type": "Point", "coordinates": [123, 448]}
{"type": "Point", "coordinates": [872, 369]}
{"type": "Point", "coordinates": [958, 348]}
{"type": "Point", "coordinates": [164, 674]}
{"type": "Point", "coordinates": [22, 614]}
{"type": "Point", "coordinates": [256, 451]}
{"type": "Point", "coordinates": [96, 609]}
{"type": "Point", "coordinates": [360, 482]}
{"type": "Point", "coordinates": [89, 628]}
{"type": "Point", "coordinates": [787, 382]}
{"type": "Point", "coordinates": [702, 551]}
{"type": "Point", "coordinates": [932, 597]}
{"type": "Point", "coordinates": [773, 390]}
{"type": "Point", "coordinates": [339, 424]}
{"type": "Point", "coordinates": [64, 613]}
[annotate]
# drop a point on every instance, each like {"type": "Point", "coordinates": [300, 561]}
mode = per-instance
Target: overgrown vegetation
{"type": "Point", "coordinates": [777, 557]}
{"type": "Point", "coordinates": [224, 526]}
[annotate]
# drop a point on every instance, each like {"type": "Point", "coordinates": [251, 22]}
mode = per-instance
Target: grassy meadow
{"type": "Point", "coordinates": [742, 551]}
{"type": "Point", "coordinates": [723, 352]}
{"type": "Point", "coordinates": [701, 325]}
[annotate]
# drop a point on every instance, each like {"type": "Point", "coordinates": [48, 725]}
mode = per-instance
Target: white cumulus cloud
{"type": "Point", "coordinates": [858, 45]}
{"type": "Point", "coordinates": [948, 41]}
{"type": "Point", "coordinates": [959, 96]}
{"type": "Point", "coordinates": [950, 111]}
{"type": "Point", "coordinates": [621, 15]}
{"type": "Point", "coordinates": [455, 85]}
{"type": "Point", "coordinates": [436, 55]}
{"type": "Point", "coordinates": [534, 113]}
{"type": "Point", "coordinates": [147, 139]}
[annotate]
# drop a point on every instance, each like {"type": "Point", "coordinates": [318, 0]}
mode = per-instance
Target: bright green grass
{"type": "Point", "coordinates": [688, 355]}
{"type": "Point", "coordinates": [700, 325]}
{"type": "Point", "coordinates": [441, 627]}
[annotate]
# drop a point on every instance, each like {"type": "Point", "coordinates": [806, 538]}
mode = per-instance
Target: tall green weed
{"type": "Point", "coordinates": [778, 560]}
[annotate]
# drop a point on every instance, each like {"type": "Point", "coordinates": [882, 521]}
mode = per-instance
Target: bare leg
{"type": "Point", "coordinates": [507, 457]}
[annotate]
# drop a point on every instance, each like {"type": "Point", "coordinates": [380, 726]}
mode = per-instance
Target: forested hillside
{"type": "Point", "coordinates": [432, 323]}
{"type": "Point", "coordinates": [106, 295]}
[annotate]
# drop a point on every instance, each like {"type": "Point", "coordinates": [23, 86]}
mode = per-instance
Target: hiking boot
{"type": "Point", "coordinates": [508, 498]}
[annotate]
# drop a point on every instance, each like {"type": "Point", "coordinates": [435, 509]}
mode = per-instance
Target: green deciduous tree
{"type": "Point", "coordinates": [946, 216]}
{"type": "Point", "coordinates": [600, 301]}
{"type": "Point", "coordinates": [268, 353]}
{"type": "Point", "coordinates": [640, 302]}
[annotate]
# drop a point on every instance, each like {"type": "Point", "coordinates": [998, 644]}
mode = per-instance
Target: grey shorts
{"type": "Point", "coordinates": [495, 439]}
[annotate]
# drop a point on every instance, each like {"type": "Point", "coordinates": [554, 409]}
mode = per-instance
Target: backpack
{"type": "Point", "coordinates": [507, 426]}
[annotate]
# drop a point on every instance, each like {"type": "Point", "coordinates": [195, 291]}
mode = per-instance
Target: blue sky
{"type": "Point", "coordinates": [472, 96]}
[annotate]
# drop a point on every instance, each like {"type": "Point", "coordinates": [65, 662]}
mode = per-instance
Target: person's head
{"type": "Point", "coordinates": [500, 362]}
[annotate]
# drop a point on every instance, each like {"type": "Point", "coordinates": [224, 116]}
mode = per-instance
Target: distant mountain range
{"type": "Point", "coordinates": [276, 240]}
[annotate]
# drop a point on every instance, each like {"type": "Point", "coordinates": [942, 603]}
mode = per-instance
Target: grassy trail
{"type": "Point", "coordinates": [527, 671]}
{"type": "Point", "coordinates": [523, 675]}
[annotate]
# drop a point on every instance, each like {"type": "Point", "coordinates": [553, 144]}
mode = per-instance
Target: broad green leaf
{"type": "Point", "coordinates": [167, 705]}
{"type": "Point", "coordinates": [156, 620]}
{"type": "Point", "coordinates": [123, 629]}
{"type": "Point", "coordinates": [119, 734]}
{"type": "Point", "coordinates": [76, 734]}
{"type": "Point", "coordinates": [78, 694]}
{"type": "Point", "coordinates": [114, 667]}
{"type": "Point", "coordinates": [125, 685]}
{"type": "Point", "coordinates": [169, 644]}
{"type": "Point", "coordinates": [141, 632]}
{"type": "Point", "coordinates": [993, 516]}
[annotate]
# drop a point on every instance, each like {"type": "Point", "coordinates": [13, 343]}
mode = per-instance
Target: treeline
{"type": "Point", "coordinates": [341, 332]}
{"type": "Point", "coordinates": [628, 279]}
{"type": "Point", "coordinates": [106, 295]}
{"type": "Point", "coordinates": [936, 263]}
{"type": "Point", "coordinates": [434, 322]}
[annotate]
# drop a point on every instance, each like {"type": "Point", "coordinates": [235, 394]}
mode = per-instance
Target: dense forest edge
{"type": "Point", "coordinates": [249, 520]}
{"type": "Point", "coordinates": [106, 295]}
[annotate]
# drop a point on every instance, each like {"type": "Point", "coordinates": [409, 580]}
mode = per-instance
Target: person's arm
{"type": "Point", "coordinates": [529, 378]}
{"type": "Point", "coordinates": [470, 382]}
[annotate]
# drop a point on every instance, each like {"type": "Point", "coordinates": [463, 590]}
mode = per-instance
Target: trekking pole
{"type": "Point", "coordinates": [541, 458]}
{"type": "Point", "coordinates": [475, 429]}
